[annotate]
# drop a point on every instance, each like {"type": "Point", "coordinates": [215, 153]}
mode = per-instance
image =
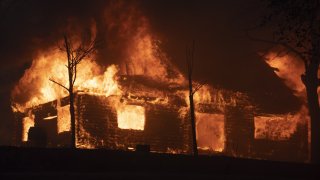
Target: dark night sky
{"type": "Point", "coordinates": [224, 57]}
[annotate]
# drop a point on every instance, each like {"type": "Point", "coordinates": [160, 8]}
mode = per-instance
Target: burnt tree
{"type": "Point", "coordinates": [74, 57]}
{"type": "Point", "coordinates": [296, 29]}
{"type": "Point", "coordinates": [192, 90]}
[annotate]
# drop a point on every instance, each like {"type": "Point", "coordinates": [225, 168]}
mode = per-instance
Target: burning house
{"type": "Point", "coordinates": [143, 100]}
{"type": "Point", "coordinates": [137, 117]}
{"type": "Point", "coordinates": [227, 124]}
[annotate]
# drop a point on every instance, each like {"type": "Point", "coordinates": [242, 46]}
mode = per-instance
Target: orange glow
{"type": "Point", "coordinates": [274, 127]}
{"type": "Point", "coordinates": [27, 123]}
{"type": "Point", "coordinates": [51, 65]}
{"type": "Point", "coordinates": [142, 56]}
{"type": "Point", "coordinates": [290, 69]}
{"type": "Point", "coordinates": [64, 123]}
{"type": "Point", "coordinates": [210, 131]}
{"type": "Point", "coordinates": [131, 117]}
{"type": "Point", "coordinates": [203, 95]}
{"type": "Point", "coordinates": [140, 45]}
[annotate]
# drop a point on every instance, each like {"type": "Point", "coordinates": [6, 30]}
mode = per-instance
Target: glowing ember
{"type": "Point", "coordinates": [27, 122]}
{"type": "Point", "coordinates": [50, 117]}
{"type": "Point", "coordinates": [131, 117]}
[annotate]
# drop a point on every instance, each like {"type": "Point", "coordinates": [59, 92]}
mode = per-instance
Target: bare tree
{"type": "Point", "coordinates": [192, 91]}
{"type": "Point", "coordinates": [296, 28]}
{"type": "Point", "coordinates": [74, 57]}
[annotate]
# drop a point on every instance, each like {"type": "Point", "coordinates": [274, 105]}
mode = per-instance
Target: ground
{"type": "Point", "coordinates": [36, 163]}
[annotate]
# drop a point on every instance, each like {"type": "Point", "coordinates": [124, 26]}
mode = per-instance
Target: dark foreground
{"type": "Point", "coordinates": [34, 163]}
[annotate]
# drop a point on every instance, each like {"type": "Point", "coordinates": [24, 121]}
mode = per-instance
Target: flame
{"type": "Point", "coordinates": [274, 127]}
{"type": "Point", "coordinates": [203, 95]}
{"type": "Point", "coordinates": [210, 131]}
{"type": "Point", "coordinates": [35, 82]}
{"type": "Point", "coordinates": [28, 122]}
{"type": "Point", "coordinates": [131, 117]}
{"type": "Point", "coordinates": [139, 45]}
{"type": "Point", "coordinates": [105, 84]}
{"type": "Point", "coordinates": [64, 123]}
{"type": "Point", "coordinates": [290, 69]}
{"type": "Point", "coordinates": [140, 55]}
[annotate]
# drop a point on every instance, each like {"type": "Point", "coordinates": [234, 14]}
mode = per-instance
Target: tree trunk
{"type": "Point", "coordinates": [71, 100]}
{"type": "Point", "coordinates": [311, 82]}
{"type": "Point", "coordinates": [73, 121]}
{"type": "Point", "coordinates": [193, 123]}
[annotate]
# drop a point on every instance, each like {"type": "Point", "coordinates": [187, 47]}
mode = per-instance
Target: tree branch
{"type": "Point", "coordinates": [83, 52]}
{"type": "Point", "coordinates": [299, 54]}
{"type": "Point", "coordinates": [197, 88]}
{"type": "Point", "coordinates": [59, 84]}
{"type": "Point", "coordinates": [74, 75]}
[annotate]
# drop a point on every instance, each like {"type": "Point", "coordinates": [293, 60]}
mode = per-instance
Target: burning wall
{"type": "Point", "coordinates": [98, 125]}
{"type": "Point", "coordinates": [288, 148]}
{"type": "Point", "coordinates": [229, 128]}
{"type": "Point", "coordinates": [239, 130]}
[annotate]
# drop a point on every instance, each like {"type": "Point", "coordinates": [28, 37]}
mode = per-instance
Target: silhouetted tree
{"type": "Point", "coordinates": [296, 27]}
{"type": "Point", "coordinates": [74, 57]}
{"type": "Point", "coordinates": [192, 91]}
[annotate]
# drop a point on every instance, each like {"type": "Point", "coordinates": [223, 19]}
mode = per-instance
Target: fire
{"type": "Point", "coordinates": [274, 127]}
{"type": "Point", "coordinates": [35, 82]}
{"type": "Point", "coordinates": [28, 122]}
{"type": "Point", "coordinates": [203, 95]}
{"type": "Point", "coordinates": [210, 131]}
{"type": "Point", "coordinates": [139, 45]}
{"type": "Point", "coordinates": [131, 117]}
{"type": "Point", "coordinates": [141, 56]}
{"type": "Point", "coordinates": [51, 64]}
{"type": "Point", "coordinates": [290, 69]}
{"type": "Point", "coordinates": [64, 123]}
{"type": "Point", "coordinates": [105, 84]}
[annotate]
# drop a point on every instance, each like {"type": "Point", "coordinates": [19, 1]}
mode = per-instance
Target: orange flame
{"type": "Point", "coordinates": [28, 122]}
{"type": "Point", "coordinates": [131, 117]}
{"type": "Point", "coordinates": [141, 56]}
{"type": "Point", "coordinates": [64, 123]}
{"type": "Point", "coordinates": [210, 131]}
{"type": "Point", "coordinates": [290, 70]}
